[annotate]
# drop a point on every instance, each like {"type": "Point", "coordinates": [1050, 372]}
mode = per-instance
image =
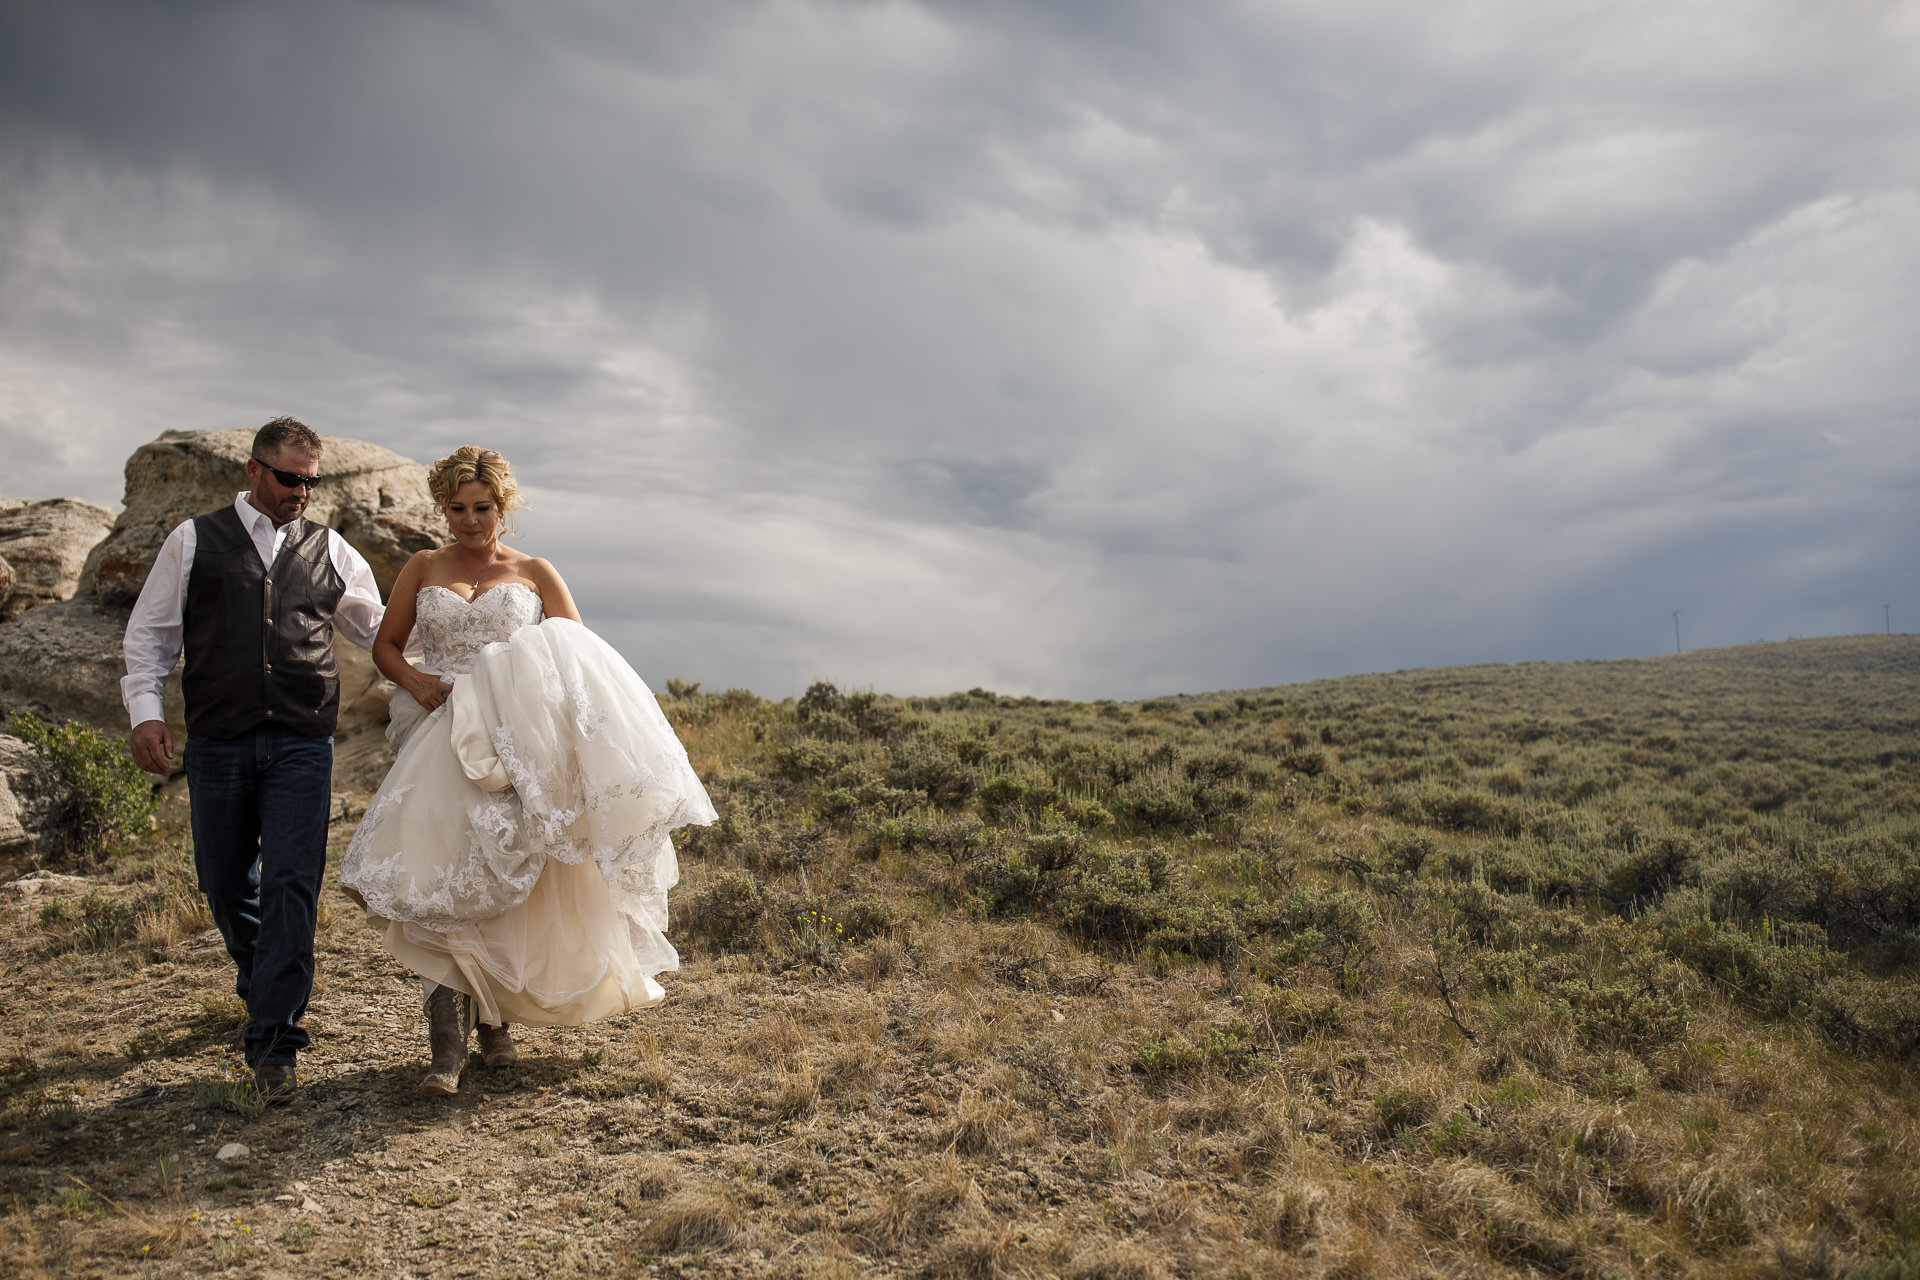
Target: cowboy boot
{"type": "Point", "coordinates": [447, 1039]}
{"type": "Point", "coordinates": [496, 1046]}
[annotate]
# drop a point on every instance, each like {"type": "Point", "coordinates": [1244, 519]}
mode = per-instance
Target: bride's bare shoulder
{"type": "Point", "coordinates": [423, 568]}
{"type": "Point", "coordinates": [536, 570]}
{"type": "Point", "coordinates": [551, 586]}
{"type": "Point", "coordinates": [418, 569]}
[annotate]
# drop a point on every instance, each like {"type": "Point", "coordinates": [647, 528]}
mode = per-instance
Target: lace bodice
{"type": "Point", "coordinates": [453, 631]}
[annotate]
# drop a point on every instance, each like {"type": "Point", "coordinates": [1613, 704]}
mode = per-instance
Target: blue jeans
{"type": "Point", "coordinates": [260, 848]}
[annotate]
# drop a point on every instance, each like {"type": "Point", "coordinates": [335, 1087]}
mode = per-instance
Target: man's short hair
{"type": "Point", "coordinates": [283, 431]}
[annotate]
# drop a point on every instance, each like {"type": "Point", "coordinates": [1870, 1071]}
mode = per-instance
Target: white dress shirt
{"type": "Point", "coordinates": [156, 630]}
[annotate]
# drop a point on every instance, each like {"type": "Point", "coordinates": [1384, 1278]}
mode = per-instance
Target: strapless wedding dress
{"type": "Point", "coordinates": [518, 849]}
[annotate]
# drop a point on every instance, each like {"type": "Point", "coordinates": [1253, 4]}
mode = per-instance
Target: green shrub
{"type": "Point", "coordinates": [957, 839]}
{"type": "Point", "coordinates": [1203, 927]}
{"type": "Point", "coordinates": [1773, 969]}
{"type": "Point", "coordinates": [1480, 914]}
{"type": "Point", "coordinates": [867, 916]}
{"type": "Point", "coordinates": [1057, 845]}
{"type": "Point", "coordinates": [940, 773]}
{"type": "Point", "coordinates": [832, 725]}
{"type": "Point", "coordinates": [1230, 1046]}
{"type": "Point", "coordinates": [1213, 767]}
{"type": "Point", "coordinates": [1294, 1012]}
{"type": "Point", "coordinates": [1117, 895]}
{"type": "Point", "coordinates": [1311, 763]}
{"type": "Point", "coordinates": [808, 760]}
{"type": "Point", "coordinates": [104, 797]}
{"type": "Point", "coordinates": [727, 914]}
{"type": "Point", "coordinates": [872, 715]}
{"type": "Point", "coordinates": [1407, 851]}
{"type": "Point", "coordinates": [1625, 1017]}
{"type": "Point", "coordinates": [1468, 811]}
{"type": "Point", "coordinates": [1165, 1055]}
{"type": "Point", "coordinates": [1867, 1014]}
{"type": "Point", "coordinates": [1157, 801]}
{"type": "Point", "coordinates": [1336, 929]}
{"type": "Point", "coordinates": [1653, 866]}
{"type": "Point", "coordinates": [1505, 970]}
{"type": "Point", "coordinates": [821, 698]}
{"type": "Point", "coordinates": [1006, 796]}
{"type": "Point", "coordinates": [902, 833]}
{"type": "Point", "coordinates": [735, 700]}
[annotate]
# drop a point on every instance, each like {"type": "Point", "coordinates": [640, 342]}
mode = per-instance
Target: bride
{"type": "Point", "coordinates": [516, 857]}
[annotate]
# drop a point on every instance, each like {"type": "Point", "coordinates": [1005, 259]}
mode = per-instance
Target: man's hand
{"type": "Point", "coordinates": [153, 747]}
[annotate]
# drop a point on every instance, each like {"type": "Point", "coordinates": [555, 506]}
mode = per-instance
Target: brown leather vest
{"type": "Point", "coordinates": [260, 643]}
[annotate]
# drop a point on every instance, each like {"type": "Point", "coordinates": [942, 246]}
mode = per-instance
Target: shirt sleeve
{"type": "Point", "coordinates": [359, 612]}
{"type": "Point", "coordinates": [155, 630]}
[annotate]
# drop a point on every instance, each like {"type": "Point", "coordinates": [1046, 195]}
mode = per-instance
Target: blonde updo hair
{"type": "Point", "coordinates": [469, 463]}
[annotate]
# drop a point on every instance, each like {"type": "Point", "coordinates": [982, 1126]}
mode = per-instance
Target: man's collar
{"type": "Point", "coordinates": [250, 515]}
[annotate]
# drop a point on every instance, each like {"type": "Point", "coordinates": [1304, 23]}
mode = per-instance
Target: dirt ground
{"type": "Point", "coordinates": [910, 1109]}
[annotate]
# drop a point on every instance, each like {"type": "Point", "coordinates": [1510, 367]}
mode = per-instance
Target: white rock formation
{"type": "Point", "coordinates": [64, 659]}
{"type": "Point", "coordinates": [27, 800]}
{"type": "Point", "coordinates": [377, 499]}
{"type": "Point", "coordinates": [43, 546]}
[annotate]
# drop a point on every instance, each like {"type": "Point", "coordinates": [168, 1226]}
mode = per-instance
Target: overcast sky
{"type": "Point", "coordinates": [1078, 349]}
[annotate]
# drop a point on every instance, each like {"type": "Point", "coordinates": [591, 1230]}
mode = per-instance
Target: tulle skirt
{"type": "Point", "coordinates": [518, 849]}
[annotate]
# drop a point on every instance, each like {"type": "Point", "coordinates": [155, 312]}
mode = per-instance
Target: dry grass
{"type": "Point", "coordinates": [1249, 1070]}
{"type": "Point", "coordinates": [20, 1247]}
{"type": "Point", "coordinates": [975, 1253]}
{"type": "Point", "coordinates": [982, 1125]}
{"type": "Point", "coordinates": [648, 1180]}
{"type": "Point", "coordinates": [1293, 1214]}
{"type": "Point", "coordinates": [691, 1220]}
{"type": "Point", "coordinates": [945, 1190]}
{"type": "Point", "coordinates": [652, 1070]}
{"type": "Point", "coordinates": [1113, 1260]}
{"type": "Point", "coordinates": [795, 1094]}
{"type": "Point", "coordinates": [149, 1233]}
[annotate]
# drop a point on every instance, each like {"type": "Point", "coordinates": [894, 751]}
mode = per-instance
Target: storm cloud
{"type": "Point", "coordinates": [1076, 349]}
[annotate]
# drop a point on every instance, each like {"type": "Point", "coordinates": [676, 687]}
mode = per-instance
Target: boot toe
{"type": "Point", "coordinates": [440, 1084]}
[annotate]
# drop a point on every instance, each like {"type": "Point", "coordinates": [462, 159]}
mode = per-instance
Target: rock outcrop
{"type": "Point", "coordinates": [64, 660]}
{"type": "Point", "coordinates": [377, 499]}
{"type": "Point", "coordinates": [24, 803]}
{"type": "Point", "coordinates": [62, 657]}
{"type": "Point", "coordinates": [43, 547]}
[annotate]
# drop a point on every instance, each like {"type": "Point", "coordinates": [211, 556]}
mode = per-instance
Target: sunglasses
{"type": "Point", "coordinates": [291, 479]}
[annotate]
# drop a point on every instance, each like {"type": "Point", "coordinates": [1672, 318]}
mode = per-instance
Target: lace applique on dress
{"type": "Point", "coordinates": [453, 631]}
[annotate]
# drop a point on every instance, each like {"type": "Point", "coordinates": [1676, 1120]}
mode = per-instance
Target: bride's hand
{"type": "Point", "coordinates": [428, 691]}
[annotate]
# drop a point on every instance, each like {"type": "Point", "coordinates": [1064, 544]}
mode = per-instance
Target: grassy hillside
{"type": "Point", "coordinates": [1602, 968]}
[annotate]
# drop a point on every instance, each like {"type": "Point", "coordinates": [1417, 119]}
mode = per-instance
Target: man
{"type": "Point", "coordinates": [254, 591]}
